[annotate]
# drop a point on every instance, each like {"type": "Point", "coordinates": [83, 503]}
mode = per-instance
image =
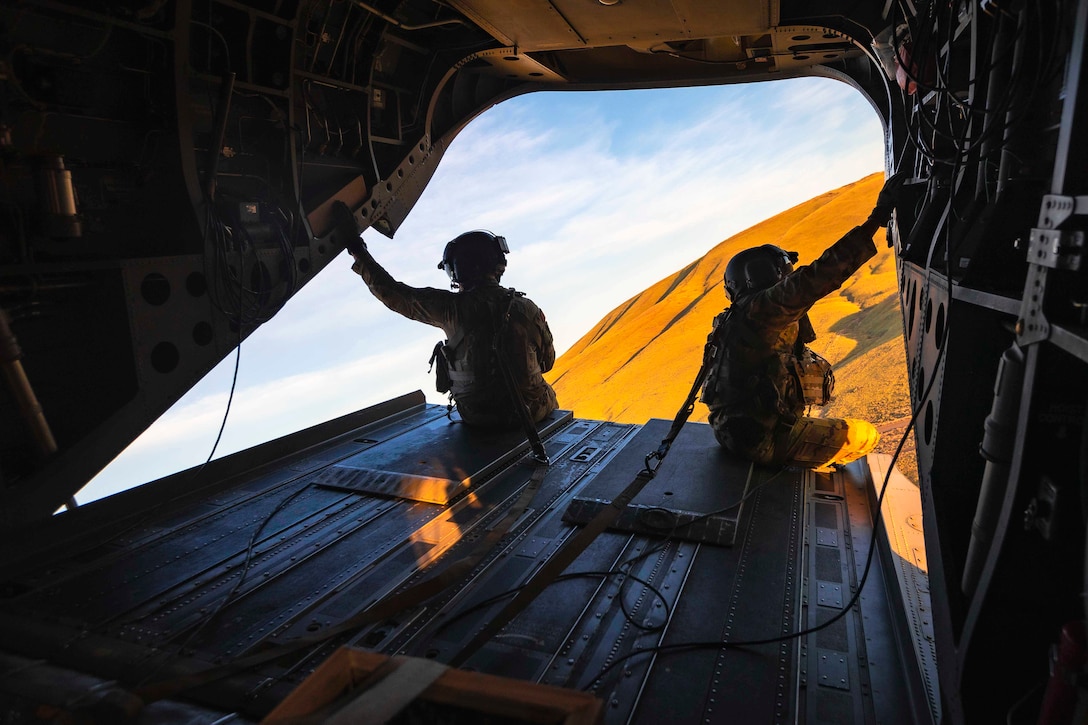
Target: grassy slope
{"type": "Point", "coordinates": [639, 361]}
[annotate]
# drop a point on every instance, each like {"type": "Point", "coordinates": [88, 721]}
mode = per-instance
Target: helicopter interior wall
{"type": "Point", "coordinates": [1030, 558]}
{"type": "Point", "coordinates": [948, 376]}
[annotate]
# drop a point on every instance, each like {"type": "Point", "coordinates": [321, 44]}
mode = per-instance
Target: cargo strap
{"type": "Point", "coordinates": [574, 546]}
{"type": "Point", "coordinates": [380, 610]}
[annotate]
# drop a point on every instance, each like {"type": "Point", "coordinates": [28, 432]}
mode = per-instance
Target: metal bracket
{"type": "Point", "coordinates": [1056, 249]}
{"type": "Point", "coordinates": [1056, 209]}
{"type": "Point", "coordinates": [509, 63]}
{"type": "Point", "coordinates": [392, 198]}
{"type": "Point", "coordinates": [1049, 248]}
{"type": "Point", "coordinates": [1032, 325]}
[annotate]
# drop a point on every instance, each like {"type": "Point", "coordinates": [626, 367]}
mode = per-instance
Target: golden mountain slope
{"type": "Point", "coordinates": [639, 361]}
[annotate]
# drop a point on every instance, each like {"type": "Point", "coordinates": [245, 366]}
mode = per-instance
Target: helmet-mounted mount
{"type": "Point", "coordinates": [472, 257]}
{"type": "Point", "coordinates": [756, 269]}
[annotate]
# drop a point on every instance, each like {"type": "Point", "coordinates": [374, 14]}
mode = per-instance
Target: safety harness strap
{"type": "Point", "coordinates": [522, 410]}
{"type": "Point", "coordinates": [689, 403]}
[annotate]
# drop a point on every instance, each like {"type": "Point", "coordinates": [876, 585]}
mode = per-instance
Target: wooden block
{"type": "Point", "coordinates": [350, 672]}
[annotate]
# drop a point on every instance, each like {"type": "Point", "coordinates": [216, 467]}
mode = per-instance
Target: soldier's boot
{"type": "Point", "coordinates": [824, 443]}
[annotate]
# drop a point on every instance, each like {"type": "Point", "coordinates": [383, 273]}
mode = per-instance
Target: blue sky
{"type": "Point", "coordinates": [600, 195]}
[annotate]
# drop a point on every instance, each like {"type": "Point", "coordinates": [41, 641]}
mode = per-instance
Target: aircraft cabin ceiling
{"type": "Point", "coordinates": [636, 42]}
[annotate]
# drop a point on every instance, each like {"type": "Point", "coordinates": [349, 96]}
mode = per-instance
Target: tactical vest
{"type": "Point", "coordinates": [762, 380]}
{"type": "Point", "coordinates": [467, 362]}
{"type": "Point", "coordinates": [815, 378]}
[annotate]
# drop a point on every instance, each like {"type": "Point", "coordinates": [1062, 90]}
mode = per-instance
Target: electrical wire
{"type": "Point", "coordinates": [1004, 113]}
{"type": "Point", "coordinates": [737, 64]}
{"type": "Point", "coordinates": [235, 252]}
{"type": "Point", "coordinates": [243, 315]}
{"type": "Point", "coordinates": [247, 563]}
{"type": "Point", "coordinates": [223, 41]}
{"type": "Point", "coordinates": [603, 574]}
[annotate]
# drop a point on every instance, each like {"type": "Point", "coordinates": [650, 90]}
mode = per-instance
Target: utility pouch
{"type": "Point", "coordinates": [712, 358]}
{"type": "Point", "coordinates": [815, 378]}
{"type": "Point", "coordinates": [441, 367]}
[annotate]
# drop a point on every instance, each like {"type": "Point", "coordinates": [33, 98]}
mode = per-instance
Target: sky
{"type": "Point", "coordinates": [599, 194]}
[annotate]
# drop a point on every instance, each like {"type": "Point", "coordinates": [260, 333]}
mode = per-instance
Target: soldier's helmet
{"type": "Point", "coordinates": [474, 256]}
{"type": "Point", "coordinates": [756, 269]}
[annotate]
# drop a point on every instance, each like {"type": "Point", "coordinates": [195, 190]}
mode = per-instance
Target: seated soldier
{"type": "Point", "coordinates": [492, 332]}
{"type": "Point", "coordinates": [762, 375]}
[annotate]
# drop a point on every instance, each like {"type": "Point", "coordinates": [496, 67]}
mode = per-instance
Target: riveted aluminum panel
{"type": "Point", "coordinates": [434, 462]}
{"type": "Point", "coordinates": [694, 495]}
{"type": "Point", "coordinates": [535, 25]}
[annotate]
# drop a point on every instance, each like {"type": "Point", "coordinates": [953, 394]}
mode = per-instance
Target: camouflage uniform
{"type": "Point", "coordinates": [755, 402]}
{"type": "Point", "coordinates": [469, 319]}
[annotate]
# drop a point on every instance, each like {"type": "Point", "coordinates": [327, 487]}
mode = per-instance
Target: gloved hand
{"type": "Point", "coordinates": [888, 198]}
{"type": "Point", "coordinates": [344, 218]}
{"type": "Point", "coordinates": [355, 246]}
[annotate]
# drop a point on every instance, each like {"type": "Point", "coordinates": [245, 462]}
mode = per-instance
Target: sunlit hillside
{"type": "Point", "coordinates": [639, 361]}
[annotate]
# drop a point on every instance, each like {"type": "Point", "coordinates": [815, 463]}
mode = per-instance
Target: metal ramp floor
{"type": "Point", "coordinates": [291, 539]}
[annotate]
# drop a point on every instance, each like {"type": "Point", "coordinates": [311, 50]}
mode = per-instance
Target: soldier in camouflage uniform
{"type": "Point", "coordinates": [754, 387]}
{"type": "Point", "coordinates": [471, 317]}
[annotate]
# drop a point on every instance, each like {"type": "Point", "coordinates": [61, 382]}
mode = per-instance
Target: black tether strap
{"type": "Point", "coordinates": [578, 543]}
{"type": "Point", "coordinates": [689, 405]}
{"type": "Point", "coordinates": [527, 423]}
